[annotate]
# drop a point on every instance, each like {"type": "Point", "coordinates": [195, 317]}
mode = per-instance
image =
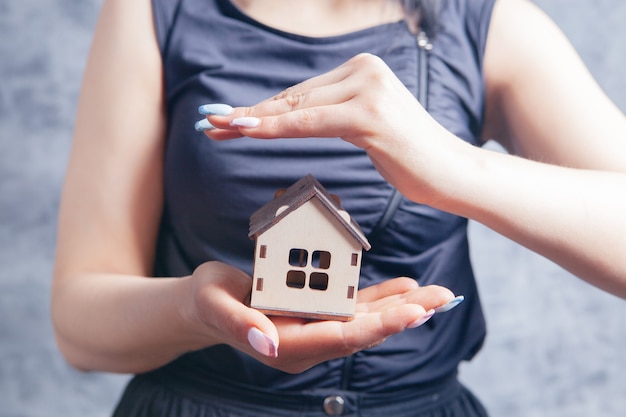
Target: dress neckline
{"type": "Point", "coordinates": [229, 9]}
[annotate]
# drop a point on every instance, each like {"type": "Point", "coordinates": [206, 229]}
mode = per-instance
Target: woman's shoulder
{"type": "Point", "coordinates": [164, 12]}
{"type": "Point", "coordinates": [465, 18]}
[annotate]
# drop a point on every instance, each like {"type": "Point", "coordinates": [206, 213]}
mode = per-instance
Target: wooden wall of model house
{"type": "Point", "coordinates": [308, 263]}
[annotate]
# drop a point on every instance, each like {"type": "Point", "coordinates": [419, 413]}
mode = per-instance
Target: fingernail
{"type": "Point", "coordinates": [245, 122]}
{"type": "Point", "coordinates": [215, 109]}
{"type": "Point", "coordinates": [203, 124]}
{"type": "Point", "coordinates": [262, 343]}
{"type": "Point", "coordinates": [450, 304]}
{"type": "Point", "coordinates": [421, 320]}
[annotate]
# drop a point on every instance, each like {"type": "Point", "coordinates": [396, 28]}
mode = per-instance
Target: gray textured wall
{"type": "Point", "coordinates": [555, 347]}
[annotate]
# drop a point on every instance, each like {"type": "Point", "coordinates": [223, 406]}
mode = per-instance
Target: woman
{"type": "Point", "coordinates": [147, 196]}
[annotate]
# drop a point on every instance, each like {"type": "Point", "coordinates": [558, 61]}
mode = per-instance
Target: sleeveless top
{"type": "Point", "coordinates": [214, 53]}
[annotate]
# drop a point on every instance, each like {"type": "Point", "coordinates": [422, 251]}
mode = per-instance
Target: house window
{"type": "Point", "coordinates": [259, 284]}
{"type": "Point", "coordinates": [351, 292]}
{"type": "Point", "coordinates": [263, 251]}
{"type": "Point", "coordinates": [295, 279]}
{"type": "Point", "coordinates": [298, 257]}
{"type": "Point", "coordinates": [321, 259]}
{"type": "Point", "coordinates": [355, 259]}
{"type": "Point", "coordinates": [318, 281]}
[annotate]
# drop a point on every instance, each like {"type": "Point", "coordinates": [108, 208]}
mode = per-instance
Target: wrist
{"type": "Point", "coordinates": [195, 334]}
{"type": "Point", "coordinates": [458, 184]}
{"type": "Point", "coordinates": [438, 170]}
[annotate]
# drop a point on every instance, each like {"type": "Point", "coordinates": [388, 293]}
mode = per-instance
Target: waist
{"type": "Point", "coordinates": [329, 400]}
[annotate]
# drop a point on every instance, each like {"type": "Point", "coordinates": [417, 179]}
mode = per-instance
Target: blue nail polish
{"type": "Point", "coordinates": [215, 109]}
{"type": "Point", "coordinates": [202, 125]}
{"type": "Point", "coordinates": [450, 305]}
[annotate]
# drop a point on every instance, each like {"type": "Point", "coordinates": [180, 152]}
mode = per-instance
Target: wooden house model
{"type": "Point", "coordinates": [307, 258]}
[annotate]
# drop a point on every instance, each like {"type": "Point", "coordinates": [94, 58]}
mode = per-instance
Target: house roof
{"type": "Point", "coordinates": [295, 196]}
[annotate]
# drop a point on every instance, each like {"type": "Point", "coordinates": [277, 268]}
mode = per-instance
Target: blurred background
{"type": "Point", "coordinates": [556, 346]}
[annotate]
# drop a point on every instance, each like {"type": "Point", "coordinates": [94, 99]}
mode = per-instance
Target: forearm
{"type": "Point", "coordinates": [122, 323]}
{"type": "Point", "coordinates": [573, 217]}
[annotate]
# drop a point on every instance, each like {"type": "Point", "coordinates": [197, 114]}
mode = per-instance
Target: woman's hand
{"type": "Point", "coordinates": [361, 101]}
{"type": "Point", "coordinates": [220, 294]}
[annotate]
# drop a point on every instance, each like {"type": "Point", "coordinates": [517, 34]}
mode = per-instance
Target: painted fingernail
{"type": "Point", "coordinates": [262, 343]}
{"type": "Point", "coordinates": [215, 109]}
{"type": "Point", "coordinates": [245, 122]}
{"type": "Point", "coordinates": [421, 320]}
{"type": "Point", "coordinates": [203, 124]}
{"type": "Point", "coordinates": [450, 304]}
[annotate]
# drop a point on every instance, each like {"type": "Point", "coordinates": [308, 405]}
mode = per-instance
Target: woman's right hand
{"type": "Point", "coordinates": [363, 102]}
{"type": "Point", "coordinates": [220, 296]}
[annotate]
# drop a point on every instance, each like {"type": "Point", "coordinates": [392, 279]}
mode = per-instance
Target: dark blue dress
{"type": "Point", "coordinates": [213, 53]}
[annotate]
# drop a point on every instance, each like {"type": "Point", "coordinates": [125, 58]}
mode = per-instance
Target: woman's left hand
{"type": "Point", "coordinates": [382, 310]}
{"type": "Point", "coordinates": [364, 103]}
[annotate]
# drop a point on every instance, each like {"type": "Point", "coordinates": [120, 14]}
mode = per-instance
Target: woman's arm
{"type": "Point", "coordinates": [106, 315]}
{"type": "Point", "coordinates": [542, 103]}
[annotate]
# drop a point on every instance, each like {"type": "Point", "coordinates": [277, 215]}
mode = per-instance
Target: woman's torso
{"type": "Point", "coordinates": [212, 53]}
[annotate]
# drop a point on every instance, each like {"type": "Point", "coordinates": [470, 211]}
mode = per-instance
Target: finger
{"type": "Point", "coordinates": [327, 121]}
{"type": "Point", "coordinates": [387, 288]}
{"type": "Point", "coordinates": [213, 130]}
{"type": "Point", "coordinates": [223, 134]}
{"type": "Point", "coordinates": [297, 98]}
{"type": "Point", "coordinates": [324, 122]}
{"type": "Point", "coordinates": [371, 329]}
{"type": "Point", "coordinates": [325, 340]}
{"type": "Point", "coordinates": [331, 77]}
{"type": "Point", "coordinates": [250, 329]}
{"type": "Point", "coordinates": [328, 88]}
{"type": "Point", "coordinates": [430, 297]}
{"type": "Point", "coordinates": [241, 327]}
{"type": "Point", "coordinates": [339, 74]}
{"type": "Point", "coordinates": [331, 95]}
{"type": "Point", "coordinates": [338, 86]}
{"type": "Point", "coordinates": [450, 304]}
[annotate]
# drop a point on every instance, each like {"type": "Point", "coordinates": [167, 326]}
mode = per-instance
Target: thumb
{"type": "Point", "coordinates": [259, 332]}
{"type": "Point", "coordinates": [263, 343]}
{"type": "Point", "coordinates": [243, 326]}
{"type": "Point", "coordinates": [249, 327]}
{"type": "Point", "coordinates": [253, 329]}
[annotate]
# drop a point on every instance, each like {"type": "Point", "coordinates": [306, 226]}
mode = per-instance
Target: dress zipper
{"type": "Point", "coordinates": [425, 46]}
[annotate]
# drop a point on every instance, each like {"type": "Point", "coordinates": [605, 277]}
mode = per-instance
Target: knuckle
{"type": "Point", "coordinates": [246, 112]}
{"type": "Point", "coordinates": [307, 119]}
{"type": "Point", "coordinates": [372, 64]}
{"type": "Point", "coordinates": [349, 345]}
{"type": "Point", "coordinates": [286, 92]}
{"type": "Point", "coordinates": [291, 99]}
{"type": "Point", "coordinates": [294, 101]}
{"type": "Point", "coordinates": [366, 58]}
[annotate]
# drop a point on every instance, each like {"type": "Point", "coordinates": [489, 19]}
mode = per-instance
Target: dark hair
{"type": "Point", "coordinates": [422, 14]}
